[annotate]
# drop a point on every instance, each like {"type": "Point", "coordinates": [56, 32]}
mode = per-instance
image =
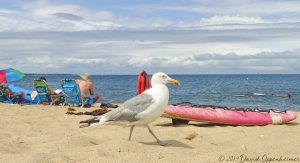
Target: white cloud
{"type": "Point", "coordinates": [52, 22]}
{"type": "Point", "coordinates": [67, 16]}
{"type": "Point", "coordinates": [265, 62]}
{"type": "Point", "coordinates": [227, 15]}
{"type": "Point", "coordinates": [47, 11]}
{"type": "Point", "coordinates": [227, 19]}
{"type": "Point", "coordinates": [6, 11]}
{"type": "Point", "coordinates": [42, 60]}
{"type": "Point", "coordinates": [229, 7]}
{"type": "Point", "coordinates": [44, 9]}
{"type": "Point", "coordinates": [93, 61]}
{"type": "Point", "coordinates": [49, 37]}
{"type": "Point", "coordinates": [44, 15]}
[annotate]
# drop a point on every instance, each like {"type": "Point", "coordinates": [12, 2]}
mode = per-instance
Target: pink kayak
{"type": "Point", "coordinates": [223, 115]}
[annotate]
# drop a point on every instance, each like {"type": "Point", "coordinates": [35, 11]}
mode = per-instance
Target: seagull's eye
{"type": "Point", "coordinates": [164, 76]}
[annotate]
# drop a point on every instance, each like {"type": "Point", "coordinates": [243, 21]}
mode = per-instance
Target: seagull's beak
{"type": "Point", "coordinates": [174, 81]}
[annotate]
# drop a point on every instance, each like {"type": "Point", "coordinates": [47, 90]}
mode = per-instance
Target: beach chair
{"type": "Point", "coordinates": [72, 93]}
{"type": "Point", "coordinates": [7, 96]}
{"type": "Point", "coordinates": [44, 93]}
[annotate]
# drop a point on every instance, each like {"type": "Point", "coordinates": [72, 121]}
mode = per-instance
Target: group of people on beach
{"type": "Point", "coordinates": [85, 85]}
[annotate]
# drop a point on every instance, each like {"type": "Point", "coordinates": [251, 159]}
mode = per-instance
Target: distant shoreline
{"type": "Point", "coordinates": [151, 74]}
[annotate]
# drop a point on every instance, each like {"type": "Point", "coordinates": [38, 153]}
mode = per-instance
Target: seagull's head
{"type": "Point", "coordinates": [162, 78]}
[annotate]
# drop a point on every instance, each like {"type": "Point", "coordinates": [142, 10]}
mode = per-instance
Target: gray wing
{"type": "Point", "coordinates": [129, 109]}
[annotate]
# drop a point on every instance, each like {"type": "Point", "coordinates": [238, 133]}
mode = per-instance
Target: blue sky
{"type": "Point", "coordinates": [173, 36]}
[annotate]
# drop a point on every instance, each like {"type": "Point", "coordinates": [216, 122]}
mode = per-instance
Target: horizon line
{"type": "Point", "coordinates": [172, 74]}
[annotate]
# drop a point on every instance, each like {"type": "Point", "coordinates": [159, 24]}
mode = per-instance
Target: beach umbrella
{"type": "Point", "coordinates": [9, 75]}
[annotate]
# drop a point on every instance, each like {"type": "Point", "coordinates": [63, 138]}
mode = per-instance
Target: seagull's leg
{"type": "Point", "coordinates": [152, 133]}
{"type": "Point", "coordinates": [131, 129]}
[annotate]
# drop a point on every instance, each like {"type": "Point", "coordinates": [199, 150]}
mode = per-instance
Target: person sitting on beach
{"type": "Point", "coordinates": [15, 97]}
{"type": "Point", "coordinates": [49, 88]}
{"type": "Point", "coordinates": [86, 86]}
{"type": "Point", "coordinates": [57, 96]}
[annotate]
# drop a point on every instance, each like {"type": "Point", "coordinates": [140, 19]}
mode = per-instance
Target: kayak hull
{"type": "Point", "coordinates": [225, 116]}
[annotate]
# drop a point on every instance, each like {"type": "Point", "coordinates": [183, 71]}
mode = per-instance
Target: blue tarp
{"type": "Point", "coordinates": [27, 93]}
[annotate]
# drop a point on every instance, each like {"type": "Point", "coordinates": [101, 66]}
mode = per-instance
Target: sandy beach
{"type": "Point", "coordinates": [40, 133]}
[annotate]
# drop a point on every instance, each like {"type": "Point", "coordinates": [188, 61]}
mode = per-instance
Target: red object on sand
{"type": "Point", "coordinates": [143, 82]}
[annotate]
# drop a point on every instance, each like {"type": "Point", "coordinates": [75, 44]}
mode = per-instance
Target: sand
{"type": "Point", "coordinates": [46, 134]}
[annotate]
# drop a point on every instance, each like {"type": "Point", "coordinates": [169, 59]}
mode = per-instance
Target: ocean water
{"type": "Point", "coordinates": [221, 90]}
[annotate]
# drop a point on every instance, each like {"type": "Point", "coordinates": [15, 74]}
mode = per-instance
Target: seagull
{"type": "Point", "coordinates": [141, 109]}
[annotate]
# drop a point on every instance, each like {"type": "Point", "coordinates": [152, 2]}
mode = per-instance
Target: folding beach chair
{"type": "Point", "coordinates": [7, 96]}
{"type": "Point", "coordinates": [72, 93]}
{"type": "Point", "coordinates": [44, 93]}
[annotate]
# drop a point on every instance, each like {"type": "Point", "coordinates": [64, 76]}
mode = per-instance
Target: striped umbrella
{"type": "Point", "coordinates": [9, 75]}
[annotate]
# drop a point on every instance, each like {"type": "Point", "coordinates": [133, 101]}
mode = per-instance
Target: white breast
{"type": "Point", "coordinates": [160, 94]}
